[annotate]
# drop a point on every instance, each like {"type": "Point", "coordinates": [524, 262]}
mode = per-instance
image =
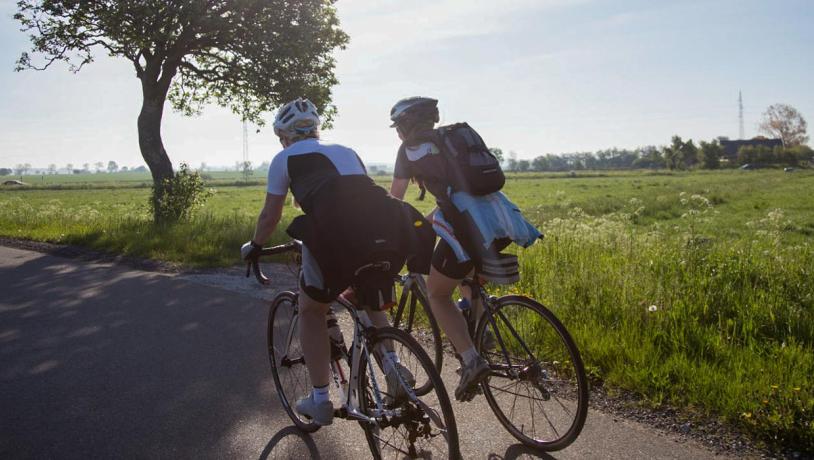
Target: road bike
{"type": "Point", "coordinates": [420, 425]}
{"type": "Point", "coordinates": [537, 387]}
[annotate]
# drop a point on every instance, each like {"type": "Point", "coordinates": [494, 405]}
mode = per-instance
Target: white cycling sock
{"type": "Point", "coordinates": [321, 394]}
{"type": "Point", "coordinates": [469, 356]}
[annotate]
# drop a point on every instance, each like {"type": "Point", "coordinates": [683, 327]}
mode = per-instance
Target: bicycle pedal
{"type": "Point", "coordinates": [341, 412]}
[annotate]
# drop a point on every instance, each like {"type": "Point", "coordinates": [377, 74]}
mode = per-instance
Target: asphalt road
{"type": "Point", "coordinates": [102, 361]}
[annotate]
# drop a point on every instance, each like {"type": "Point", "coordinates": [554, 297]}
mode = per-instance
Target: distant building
{"type": "Point", "coordinates": [731, 147]}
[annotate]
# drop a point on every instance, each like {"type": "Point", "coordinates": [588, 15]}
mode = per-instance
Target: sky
{"type": "Point", "coordinates": [532, 76]}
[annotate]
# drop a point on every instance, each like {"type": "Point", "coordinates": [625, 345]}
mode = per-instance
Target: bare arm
{"type": "Point", "coordinates": [269, 218]}
{"type": "Point", "coordinates": [399, 187]}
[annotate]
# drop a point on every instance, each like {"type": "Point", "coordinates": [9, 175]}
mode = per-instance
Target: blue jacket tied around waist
{"type": "Point", "coordinates": [494, 216]}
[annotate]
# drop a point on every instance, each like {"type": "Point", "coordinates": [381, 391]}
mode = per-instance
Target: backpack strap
{"type": "Point", "coordinates": [429, 135]}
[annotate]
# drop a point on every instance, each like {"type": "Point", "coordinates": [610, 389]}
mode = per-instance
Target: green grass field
{"type": "Point", "coordinates": [691, 289]}
{"type": "Point", "coordinates": [130, 179]}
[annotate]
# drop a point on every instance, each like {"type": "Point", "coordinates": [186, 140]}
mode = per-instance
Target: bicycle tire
{"type": "Point", "coordinates": [431, 413]}
{"type": "Point", "coordinates": [290, 373]}
{"type": "Point", "coordinates": [557, 379]}
{"type": "Point", "coordinates": [433, 344]}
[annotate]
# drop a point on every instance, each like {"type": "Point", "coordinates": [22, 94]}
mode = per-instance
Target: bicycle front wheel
{"type": "Point", "coordinates": [285, 356]}
{"type": "Point", "coordinates": [407, 425]}
{"type": "Point", "coordinates": [540, 393]}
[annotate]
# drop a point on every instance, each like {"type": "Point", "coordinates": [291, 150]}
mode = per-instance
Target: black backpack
{"type": "Point", "coordinates": [469, 165]}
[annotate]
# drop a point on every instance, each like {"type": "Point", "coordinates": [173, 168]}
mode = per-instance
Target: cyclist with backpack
{"type": "Point", "coordinates": [339, 202]}
{"type": "Point", "coordinates": [473, 218]}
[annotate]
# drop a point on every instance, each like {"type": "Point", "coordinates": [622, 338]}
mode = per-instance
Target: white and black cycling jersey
{"type": "Point", "coordinates": [305, 166]}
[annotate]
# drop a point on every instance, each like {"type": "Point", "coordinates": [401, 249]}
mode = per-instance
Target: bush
{"type": "Point", "coordinates": [179, 196]}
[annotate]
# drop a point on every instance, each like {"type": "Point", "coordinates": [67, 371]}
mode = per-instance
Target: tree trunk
{"type": "Point", "coordinates": [149, 136]}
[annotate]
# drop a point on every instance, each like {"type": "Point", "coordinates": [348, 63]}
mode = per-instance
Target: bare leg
{"type": "Point", "coordinates": [315, 348]}
{"type": "Point", "coordinates": [439, 289]}
{"type": "Point", "coordinates": [378, 318]}
{"type": "Point", "coordinates": [474, 302]}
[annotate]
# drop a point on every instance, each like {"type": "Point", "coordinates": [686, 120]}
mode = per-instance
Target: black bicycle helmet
{"type": "Point", "coordinates": [411, 110]}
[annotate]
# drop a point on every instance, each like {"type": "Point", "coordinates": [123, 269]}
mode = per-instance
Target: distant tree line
{"type": "Point", "coordinates": [780, 121]}
{"type": "Point", "coordinates": [678, 155]}
{"type": "Point", "coordinates": [23, 169]}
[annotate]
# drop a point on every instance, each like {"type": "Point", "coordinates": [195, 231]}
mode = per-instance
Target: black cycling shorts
{"type": "Point", "coordinates": [375, 289]}
{"type": "Point", "coordinates": [445, 261]}
{"type": "Point", "coordinates": [313, 283]}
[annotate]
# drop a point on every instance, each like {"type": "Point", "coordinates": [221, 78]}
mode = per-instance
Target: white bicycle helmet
{"type": "Point", "coordinates": [296, 118]}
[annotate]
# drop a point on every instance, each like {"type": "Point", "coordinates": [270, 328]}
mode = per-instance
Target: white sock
{"type": "Point", "coordinates": [469, 356]}
{"type": "Point", "coordinates": [391, 358]}
{"type": "Point", "coordinates": [321, 394]}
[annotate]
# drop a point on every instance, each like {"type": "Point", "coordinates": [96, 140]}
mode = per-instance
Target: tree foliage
{"type": "Point", "coordinates": [778, 156]}
{"type": "Point", "coordinates": [786, 123]}
{"type": "Point", "coordinates": [710, 154]}
{"type": "Point", "coordinates": [498, 153]}
{"type": "Point", "coordinates": [22, 169]}
{"type": "Point", "coordinates": [248, 55]}
{"type": "Point", "coordinates": [679, 154]}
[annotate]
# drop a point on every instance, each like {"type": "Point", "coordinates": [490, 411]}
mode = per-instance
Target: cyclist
{"type": "Point", "coordinates": [339, 200]}
{"type": "Point", "coordinates": [456, 254]}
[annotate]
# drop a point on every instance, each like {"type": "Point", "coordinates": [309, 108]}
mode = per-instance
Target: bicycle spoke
{"type": "Point", "coordinates": [542, 409]}
{"type": "Point", "coordinates": [562, 405]}
{"type": "Point", "coordinates": [388, 443]}
{"type": "Point", "coordinates": [514, 403]}
{"type": "Point", "coordinates": [518, 394]}
{"type": "Point", "coordinates": [531, 409]}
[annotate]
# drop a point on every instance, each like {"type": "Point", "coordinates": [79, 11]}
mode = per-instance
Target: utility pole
{"type": "Point", "coordinates": [741, 134]}
{"type": "Point", "coordinates": [245, 142]}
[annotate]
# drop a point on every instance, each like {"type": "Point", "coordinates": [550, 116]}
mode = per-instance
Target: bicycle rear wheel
{"type": "Point", "coordinates": [414, 316]}
{"type": "Point", "coordinates": [541, 394]}
{"type": "Point", "coordinates": [415, 426]}
{"type": "Point", "coordinates": [285, 356]}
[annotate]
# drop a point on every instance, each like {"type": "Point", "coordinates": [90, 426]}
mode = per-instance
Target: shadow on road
{"type": "Point", "coordinates": [100, 361]}
{"type": "Point", "coordinates": [517, 451]}
{"type": "Point", "coordinates": [290, 442]}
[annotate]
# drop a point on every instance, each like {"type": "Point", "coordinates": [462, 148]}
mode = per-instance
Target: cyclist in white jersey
{"type": "Point", "coordinates": [313, 170]}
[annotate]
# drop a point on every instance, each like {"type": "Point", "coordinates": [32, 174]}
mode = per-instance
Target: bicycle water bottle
{"type": "Point", "coordinates": [466, 310]}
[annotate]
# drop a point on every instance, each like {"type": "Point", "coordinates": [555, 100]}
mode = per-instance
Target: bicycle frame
{"type": "Point", "coordinates": [407, 282]}
{"type": "Point", "coordinates": [350, 408]}
{"type": "Point", "coordinates": [411, 280]}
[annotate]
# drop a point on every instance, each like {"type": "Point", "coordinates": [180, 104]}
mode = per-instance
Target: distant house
{"type": "Point", "coordinates": [731, 147]}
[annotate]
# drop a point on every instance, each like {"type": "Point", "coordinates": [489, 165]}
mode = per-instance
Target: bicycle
{"type": "Point", "coordinates": [530, 353]}
{"type": "Point", "coordinates": [416, 426]}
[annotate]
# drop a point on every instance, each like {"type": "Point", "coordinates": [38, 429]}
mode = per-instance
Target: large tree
{"type": "Point", "coordinates": [248, 55]}
{"type": "Point", "coordinates": [785, 123]}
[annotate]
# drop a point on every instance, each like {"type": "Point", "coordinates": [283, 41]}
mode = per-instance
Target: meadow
{"type": "Point", "coordinates": [693, 290]}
